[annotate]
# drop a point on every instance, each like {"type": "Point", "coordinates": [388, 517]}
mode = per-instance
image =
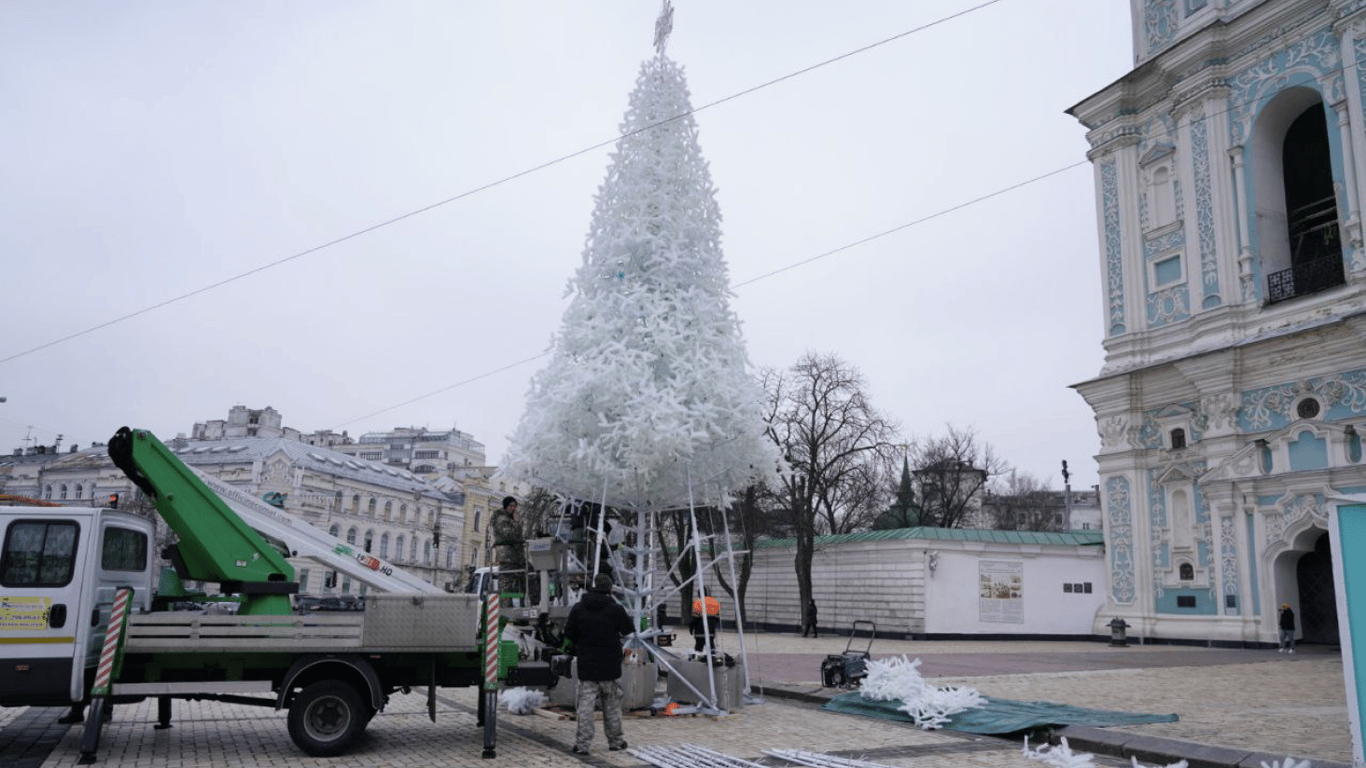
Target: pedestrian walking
{"type": "Point", "coordinates": [810, 622]}
{"type": "Point", "coordinates": [1287, 624]}
{"type": "Point", "coordinates": [596, 626]}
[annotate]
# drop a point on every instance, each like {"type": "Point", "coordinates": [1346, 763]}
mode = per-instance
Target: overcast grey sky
{"type": "Point", "coordinates": [153, 149]}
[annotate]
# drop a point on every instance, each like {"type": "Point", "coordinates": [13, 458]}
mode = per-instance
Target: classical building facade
{"type": "Point", "coordinates": [245, 422]}
{"type": "Point", "coordinates": [389, 512]}
{"type": "Point", "coordinates": [1229, 168]}
{"type": "Point", "coordinates": [453, 461]}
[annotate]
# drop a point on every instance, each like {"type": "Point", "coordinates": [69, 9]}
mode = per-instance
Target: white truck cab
{"type": "Point", "coordinates": [59, 570]}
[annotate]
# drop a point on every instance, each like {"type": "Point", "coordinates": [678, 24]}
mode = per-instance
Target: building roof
{"type": "Point", "coordinates": [1067, 539]}
{"type": "Point", "coordinates": [201, 453]}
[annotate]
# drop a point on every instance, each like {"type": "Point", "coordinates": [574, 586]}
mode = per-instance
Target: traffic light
{"type": "Point", "coordinates": [113, 501]}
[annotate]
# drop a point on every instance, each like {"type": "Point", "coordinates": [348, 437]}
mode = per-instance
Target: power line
{"type": "Point", "coordinates": [490, 185]}
{"type": "Point", "coordinates": [436, 392]}
{"type": "Point", "coordinates": [909, 224]}
{"type": "Point", "coordinates": [840, 249]}
{"type": "Point", "coordinates": [794, 265]}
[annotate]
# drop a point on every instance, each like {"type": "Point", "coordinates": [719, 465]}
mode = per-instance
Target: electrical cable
{"type": "Point", "coordinates": [490, 185]}
{"type": "Point", "coordinates": [520, 174]}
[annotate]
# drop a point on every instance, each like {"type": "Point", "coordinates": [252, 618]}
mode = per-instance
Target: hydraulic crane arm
{"type": "Point", "coordinates": [215, 544]}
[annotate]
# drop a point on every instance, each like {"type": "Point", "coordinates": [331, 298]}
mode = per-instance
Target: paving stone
{"type": "Point", "coordinates": [1246, 703]}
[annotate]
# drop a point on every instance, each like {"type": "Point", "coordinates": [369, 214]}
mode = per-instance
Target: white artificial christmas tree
{"type": "Point", "coordinates": [648, 395]}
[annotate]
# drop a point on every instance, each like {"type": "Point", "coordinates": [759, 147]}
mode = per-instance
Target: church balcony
{"type": "Point", "coordinates": [1305, 278]}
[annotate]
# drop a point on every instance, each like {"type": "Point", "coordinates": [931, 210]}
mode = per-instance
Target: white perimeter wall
{"type": "Point", "coordinates": [890, 583]}
{"type": "Point", "coordinates": [954, 603]}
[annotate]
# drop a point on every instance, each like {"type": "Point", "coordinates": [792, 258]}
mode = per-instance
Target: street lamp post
{"type": "Point", "coordinates": [1067, 495]}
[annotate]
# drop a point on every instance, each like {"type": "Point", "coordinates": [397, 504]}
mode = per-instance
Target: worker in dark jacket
{"type": "Point", "coordinates": [596, 626]}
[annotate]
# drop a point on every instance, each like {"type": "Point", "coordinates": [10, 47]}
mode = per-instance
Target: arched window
{"type": "Point", "coordinates": [47, 491]}
{"type": "Point", "coordinates": [370, 510]}
{"type": "Point", "coordinates": [1187, 572]}
{"type": "Point", "coordinates": [1296, 209]}
{"type": "Point", "coordinates": [334, 531]}
{"type": "Point", "coordinates": [384, 546]}
{"type": "Point", "coordinates": [62, 490]}
{"type": "Point", "coordinates": [1178, 437]}
{"type": "Point", "coordinates": [398, 549]}
{"type": "Point", "coordinates": [427, 552]}
{"type": "Point", "coordinates": [351, 535]}
{"type": "Point", "coordinates": [477, 513]}
{"type": "Point", "coordinates": [369, 539]}
{"type": "Point", "coordinates": [337, 500]}
{"type": "Point", "coordinates": [412, 550]}
{"type": "Point", "coordinates": [80, 490]}
{"type": "Point", "coordinates": [402, 514]}
{"type": "Point", "coordinates": [355, 504]}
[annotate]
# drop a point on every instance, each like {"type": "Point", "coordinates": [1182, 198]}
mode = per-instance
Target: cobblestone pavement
{"type": "Point", "coordinates": [1256, 699]}
{"type": "Point", "coordinates": [1251, 699]}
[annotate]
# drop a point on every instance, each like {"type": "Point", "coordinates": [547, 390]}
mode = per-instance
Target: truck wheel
{"type": "Point", "coordinates": [326, 717]}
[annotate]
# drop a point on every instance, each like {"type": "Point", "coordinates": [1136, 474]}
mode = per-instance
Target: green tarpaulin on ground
{"type": "Point", "coordinates": [999, 716]}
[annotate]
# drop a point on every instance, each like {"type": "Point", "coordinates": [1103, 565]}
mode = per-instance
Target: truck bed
{"type": "Point", "coordinates": [390, 623]}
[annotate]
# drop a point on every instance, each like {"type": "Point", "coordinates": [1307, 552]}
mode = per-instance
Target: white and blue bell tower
{"type": "Point", "coordinates": [1229, 168]}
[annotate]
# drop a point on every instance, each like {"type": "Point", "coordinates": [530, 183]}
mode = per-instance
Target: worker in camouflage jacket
{"type": "Point", "coordinates": [509, 547]}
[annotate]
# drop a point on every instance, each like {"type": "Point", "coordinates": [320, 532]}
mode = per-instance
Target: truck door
{"type": "Point", "coordinates": [125, 560]}
{"type": "Point", "coordinates": [43, 627]}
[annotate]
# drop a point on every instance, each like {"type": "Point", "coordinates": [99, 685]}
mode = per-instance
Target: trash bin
{"type": "Point", "coordinates": [1117, 627]}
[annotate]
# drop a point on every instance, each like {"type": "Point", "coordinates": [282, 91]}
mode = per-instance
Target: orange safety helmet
{"type": "Point", "coordinates": [713, 607]}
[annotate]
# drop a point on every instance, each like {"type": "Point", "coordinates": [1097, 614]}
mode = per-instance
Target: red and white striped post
{"type": "Point", "coordinates": [117, 617]}
{"type": "Point", "coordinates": [104, 675]}
{"type": "Point", "coordinates": [492, 636]}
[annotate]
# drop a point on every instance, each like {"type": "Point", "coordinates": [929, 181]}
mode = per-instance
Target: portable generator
{"type": "Point", "coordinates": [843, 670]}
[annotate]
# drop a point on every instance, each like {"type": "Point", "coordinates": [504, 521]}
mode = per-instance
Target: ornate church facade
{"type": "Point", "coordinates": [1230, 166]}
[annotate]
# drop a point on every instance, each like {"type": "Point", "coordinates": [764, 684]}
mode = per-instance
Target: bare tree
{"type": "Point", "coordinates": [747, 519]}
{"type": "Point", "coordinates": [952, 473]}
{"type": "Point", "coordinates": [1021, 502]}
{"type": "Point", "coordinates": [834, 443]}
{"type": "Point", "coordinates": [675, 544]}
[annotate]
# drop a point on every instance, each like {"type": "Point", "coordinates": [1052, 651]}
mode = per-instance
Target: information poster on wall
{"type": "Point", "coordinates": [1001, 593]}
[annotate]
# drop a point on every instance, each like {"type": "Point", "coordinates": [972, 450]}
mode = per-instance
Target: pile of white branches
{"type": "Point", "coordinates": [523, 701]}
{"type": "Point", "coordinates": [929, 706]}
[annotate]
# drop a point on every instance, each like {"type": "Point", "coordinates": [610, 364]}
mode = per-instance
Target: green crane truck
{"type": "Point", "coordinates": [65, 570]}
